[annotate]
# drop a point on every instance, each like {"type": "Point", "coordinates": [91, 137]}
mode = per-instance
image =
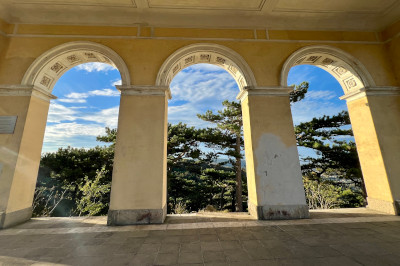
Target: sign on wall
{"type": "Point", "coordinates": [7, 124]}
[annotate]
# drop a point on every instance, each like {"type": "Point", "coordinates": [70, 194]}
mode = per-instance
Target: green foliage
{"type": "Point", "coordinates": [109, 137]}
{"type": "Point", "coordinates": [61, 173]}
{"type": "Point", "coordinates": [321, 195]}
{"type": "Point", "coordinates": [180, 207]}
{"type": "Point", "coordinates": [325, 195]}
{"type": "Point", "coordinates": [77, 181]}
{"type": "Point", "coordinates": [227, 139]}
{"type": "Point", "coordinates": [183, 142]}
{"type": "Point", "coordinates": [351, 198]}
{"type": "Point", "coordinates": [48, 196]}
{"type": "Point", "coordinates": [299, 92]}
{"type": "Point", "coordinates": [337, 158]}
{"type": "Point", "coordinates": [91, 203]}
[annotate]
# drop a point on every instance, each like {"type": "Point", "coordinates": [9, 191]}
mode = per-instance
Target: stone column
{"type": "Point", "coordinates": [272, 163]}
{"type": "Point", "coordinates": [139, 182]}
{"type": "Point", "coordinates": [375, 118]}
{"type": "Point", "coordinates": [20, 149]}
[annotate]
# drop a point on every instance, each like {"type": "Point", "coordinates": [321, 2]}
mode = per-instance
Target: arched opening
{"type": "Point", "coordinates": [49, 67]}
{"type": "Point", "coordinates": [213, 54]}
{"type": "Point", "coordinates": [75, 171]}
{"type": "Point", "coordinates": [76, 165]}
{"type": "Point", "coordinates": [330, 166]}
{"type": "Point", "coordinates": [201, 77]}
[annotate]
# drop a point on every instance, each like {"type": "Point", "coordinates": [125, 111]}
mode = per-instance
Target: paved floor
{"type": "Point", "coordinates": [335, 237]}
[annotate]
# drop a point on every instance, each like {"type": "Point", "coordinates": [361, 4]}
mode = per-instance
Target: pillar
{"type": "Point", "coordinates": [23, 117]}
{"type": "Point", "coordinates": [272, 163]}
{"type": "Point", "coordinates": [375, 119]}
{"type": "Point", "coordinates": [139, 182]}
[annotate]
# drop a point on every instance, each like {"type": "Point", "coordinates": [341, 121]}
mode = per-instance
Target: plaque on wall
{"type": "Point", "coordinates": [7, 124]}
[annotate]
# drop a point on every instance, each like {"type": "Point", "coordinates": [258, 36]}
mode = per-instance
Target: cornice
{"type": "Point", "coordinates": [141, 90]}
{"type": "Point", "coordinates": [371, 91]}
{"type": "Point", "coordinates": [264, 91]}
{"type": "Point", "coordinates": [26, 90]}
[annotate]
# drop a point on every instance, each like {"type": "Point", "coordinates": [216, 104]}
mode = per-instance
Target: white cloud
{"type": "Point", "coordinates": [305, 110]}
{"type": "Point", "coordinates": [72, 100]}
{"type": "Point", "coordinates": [205, 68]}
{"type": "Point", "coordinates": [196, 86]}
{"type": "Point", "coordinates": [58, 132]}
{"type": "Point", "coordinates": [197, 89]}
{"type": "Point", "coordinates": [79, 97]}
{"type": "Point", "coordinates": [70, 126]}
{"type": "Point", "coordinates": [58, 113]}
{"type": "Point", "coordinates": [116, 82]}
{"type": "Point", "coordinates": [186, 113]}
{"type": "Point", "coordinates": [321, 95]}
{"type": "Point", "coordinates": [95, 67]}
{"type": "Point", "coordinates": [106, 117]}
{"type": "Point", "coordinates": [104, 92]}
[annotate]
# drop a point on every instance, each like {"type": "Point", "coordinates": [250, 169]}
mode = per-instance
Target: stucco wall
{"type": "Point", "coordinates": [145, 55]}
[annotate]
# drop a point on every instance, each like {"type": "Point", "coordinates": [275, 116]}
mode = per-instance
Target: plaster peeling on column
{"type": "Point", "coordinates": [278, 171]}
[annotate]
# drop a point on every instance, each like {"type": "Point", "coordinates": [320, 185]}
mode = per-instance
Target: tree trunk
{"type": "Point", "coordinates": [364, 191]}
{"type": "Point", "coordinates": [221, 200]}
{"type": "Point", "coordinates": [239, 200]}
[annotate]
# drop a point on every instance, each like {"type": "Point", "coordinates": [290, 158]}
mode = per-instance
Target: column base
{"type": "Point", "coordinates": [14, 218]}
{"type": "Point", "coordinates": [137, 216]}
{"type": "Point", "coordinates": [384, 206]}
{"type": "Point", "coordinates": [278, 212]}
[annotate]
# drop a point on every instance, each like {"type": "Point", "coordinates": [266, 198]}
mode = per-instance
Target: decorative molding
{"type": "Point", "coordinates": [209, 53]}
{"type": "Point", "coordinates": [264, 91]}
{"type": "Point", "coordinates": [371, 91]}
{"type": "Point", "coordinates": [348, 71]}
{"type": "Point", "coordinates": [50, 66]}
{"type": "Point", "coordinates": [26, 90]}
{"type": "Point", "coordinates": [130, 37]}
{"type": "Point", "coordinates": [144, 90]}
{"type": "Point", "coordinates": [186, 5]}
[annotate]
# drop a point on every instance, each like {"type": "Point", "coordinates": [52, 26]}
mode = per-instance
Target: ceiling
{"type": "Point", "coordinates": [361, 15]}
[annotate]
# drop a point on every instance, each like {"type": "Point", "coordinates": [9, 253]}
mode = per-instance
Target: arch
{"type": "Point", "coordinates": [210, 54]}
{"type": "Point", "coordinates": [50, 66]}
{"type": "Point", "coordinates": [348, 71]}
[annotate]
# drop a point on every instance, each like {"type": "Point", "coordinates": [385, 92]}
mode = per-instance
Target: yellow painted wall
{"type": "Point", "coordinates": [3, 44]}
{"type": "Point", "coordinates": [21, 150]}
{"type": "Point", "coordinates": [386, 115]}
{"type": "Point", "coordinates": [273, 169]}
{"type": "Point", "coordinates": [10, 143]}
{"type": "Point", "coordinates": [5, 27]}
{"type": "Point", "coordinates": [393, 50]}
{"type": "Point", "coordinates": [24, 183]}
{"type": "Point", "coordinates": [249, 150]}
{"type": "Point", "coordinates": [144, 57]}
{"type": "Point", "coordinates": [369, 150]}
{"type": "Point", "coordinates": [264, 57]}
{"type": "Point", "coordinates": [139, 175]}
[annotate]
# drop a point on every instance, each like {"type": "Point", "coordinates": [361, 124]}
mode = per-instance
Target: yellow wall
{"type": "Point", "coordinates": [139, 175]}
{"type": "Point", "coordinates": [393, 49]}
{"type": "Point", "coordinates": [273, 170]}
{"type": "Point", "coordinates": [386, 115]}
{"type": "Point", "coordinates": [21, 150]}
{"type": "Point", "coordinates": [391, 37]}
{"type": "Point", "coordinates": [10, 143]}
{"type": "Point", "coordinates": [368, 149]}
{"type": "Point", "coordinates": [265, 55]}
{"type": "Point", "coordinates": [144, 50]}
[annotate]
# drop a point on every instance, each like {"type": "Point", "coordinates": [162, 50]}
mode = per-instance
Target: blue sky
{"type": "Point", "coordinates": [88, 100]}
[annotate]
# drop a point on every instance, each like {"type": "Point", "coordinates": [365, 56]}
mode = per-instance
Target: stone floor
{"type": "Point", "coordinates": [334, 237]}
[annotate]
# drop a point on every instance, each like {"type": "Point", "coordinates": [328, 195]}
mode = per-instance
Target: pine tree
{"type": "Point", "coordinates": [227, 137]}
